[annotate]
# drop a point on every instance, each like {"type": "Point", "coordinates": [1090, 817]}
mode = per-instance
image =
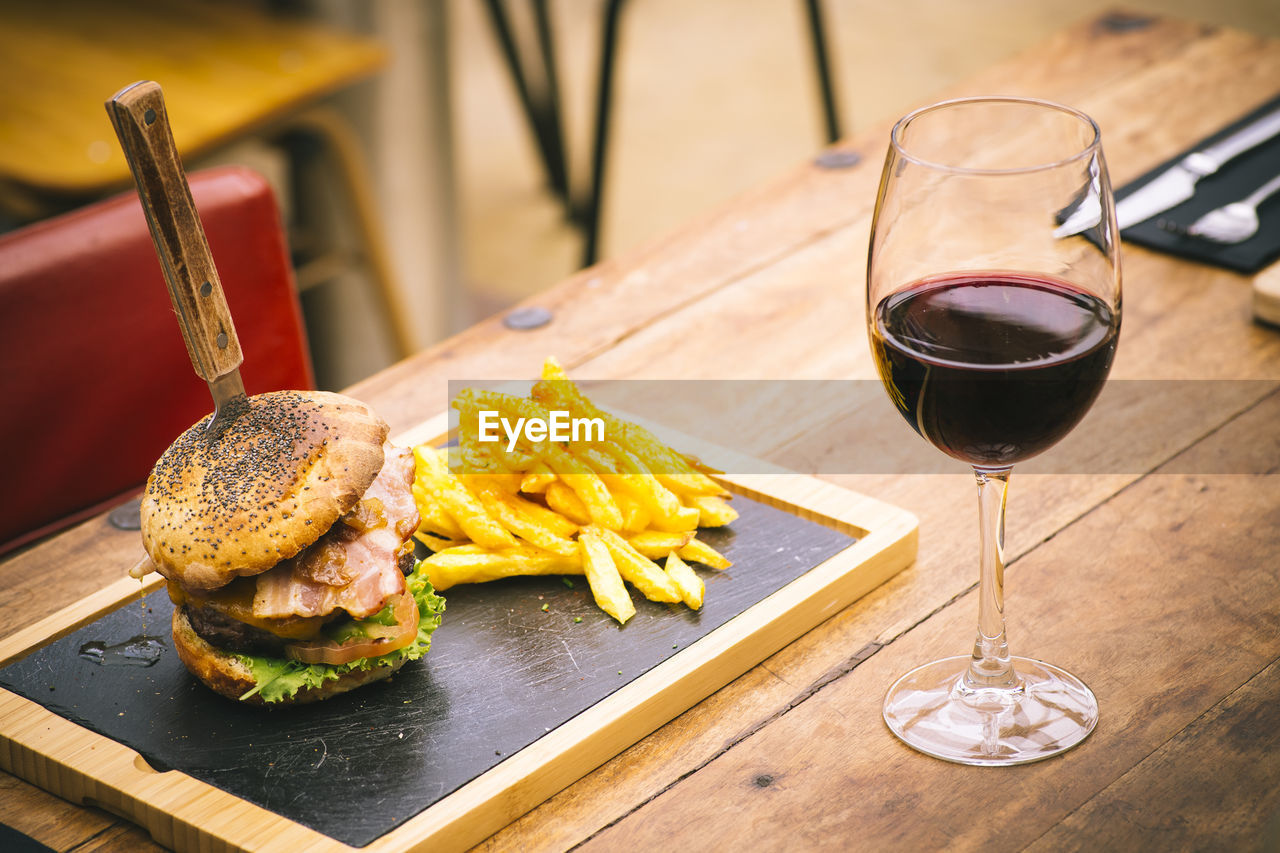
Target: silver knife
{"type": "Point", "coordinates": [1178, 182]}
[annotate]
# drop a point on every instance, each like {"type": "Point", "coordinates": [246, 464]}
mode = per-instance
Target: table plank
{"type": "Point", "coordinates": [1132, 597]}
{"type": "Point", "coordinates": [1199, 776]}
{"type": "Point", "coordinates": [602, 306]}
{"type": "Point", "coordinates": [1233, 73]}
{"type": "Point", "coordinates": [1189, 341]}
{"type": "Point", "coordinates": [54, 821]}
{"type": "Point", "coordinates": [121, 836]}
{"type": "Point", "coordinates": [43, 579]}
{"type": "Point", "coordinates": [1036, 511]}
{"type": "Point", "coordinates": [808, 307]}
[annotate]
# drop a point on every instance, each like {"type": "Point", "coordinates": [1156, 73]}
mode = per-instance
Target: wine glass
{"type": "Point", "coordinates": [993, 330]}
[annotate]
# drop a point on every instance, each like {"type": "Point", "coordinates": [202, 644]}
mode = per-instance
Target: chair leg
{"type": "Point", "coordinates": [558, 169]}
{"type": "Point", "coordinates": [339, 140]}
{"type": "Point", "coordinates": [542, 110]}
{"type": "Point", "coordinates": [822, 62]}
{"type": "Point", "coordinates": [545, 118]}
{"type": "Point", "coordinates": [591, 215]}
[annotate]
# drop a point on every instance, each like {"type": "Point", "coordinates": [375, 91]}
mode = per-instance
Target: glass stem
{"type": "Point", "coordinates": [990, 667]}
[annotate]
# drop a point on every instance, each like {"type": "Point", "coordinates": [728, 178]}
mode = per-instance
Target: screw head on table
{"type": "Point", "coordinates": [524, 319]}
{"type": "Point", "coordinates": [837, 159]}
{"type": "Point", "coordinates": [127, 516]}
{"type": "Point", "coordinates": [1121, 22]}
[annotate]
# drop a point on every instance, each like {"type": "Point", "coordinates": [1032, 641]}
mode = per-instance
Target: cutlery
{"type": "Point", "coordinates": [1177, 183]}
{"type": "Point", "coordinates": [142, 125]}
{"type": "Point", "coordinates": [1235, 222]}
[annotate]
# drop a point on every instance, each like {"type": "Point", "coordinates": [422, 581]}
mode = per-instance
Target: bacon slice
{"type": "Point", "coordinates": [352, 567]}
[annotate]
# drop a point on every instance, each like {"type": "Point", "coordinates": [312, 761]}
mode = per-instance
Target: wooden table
{"type": "Point", "coordinates": [1160, 588]}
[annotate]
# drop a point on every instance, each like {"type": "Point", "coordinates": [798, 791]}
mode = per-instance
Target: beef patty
{"type": "Point", "coordinates": [221, 631]}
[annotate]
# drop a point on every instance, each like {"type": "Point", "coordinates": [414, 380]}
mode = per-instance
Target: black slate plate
{"type": "Point", "coordinates": [501, 673]}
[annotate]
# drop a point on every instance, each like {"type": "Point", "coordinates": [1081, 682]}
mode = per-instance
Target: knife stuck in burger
{"type": "Point", "coordinates": [283, 522]}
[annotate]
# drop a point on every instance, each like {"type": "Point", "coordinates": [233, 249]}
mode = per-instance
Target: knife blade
{"type": "Point", "coordinates": [142, 125]}
{"type": "Point", "coordinates": [1178, 182]}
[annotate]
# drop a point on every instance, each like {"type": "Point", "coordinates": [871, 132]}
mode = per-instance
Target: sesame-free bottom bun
{"type": "Point", "coordinates": [226, 673]}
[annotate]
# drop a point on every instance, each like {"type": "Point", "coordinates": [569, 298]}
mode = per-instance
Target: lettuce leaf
{"type": "Point", "coordinates": [346, 630]}
{"type": "Point", "coordinates": [280, 679]}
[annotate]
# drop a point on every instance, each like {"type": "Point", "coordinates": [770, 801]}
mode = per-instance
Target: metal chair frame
{"type": "Point", "coordinates": [537, 87]}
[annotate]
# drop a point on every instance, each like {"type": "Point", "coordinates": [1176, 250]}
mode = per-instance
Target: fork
{"type": "Point", "coordinates": [1235, 222]}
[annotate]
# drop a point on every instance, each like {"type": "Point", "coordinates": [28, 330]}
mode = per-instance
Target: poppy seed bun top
{"type": "Point", "coordinates": [256, 490]}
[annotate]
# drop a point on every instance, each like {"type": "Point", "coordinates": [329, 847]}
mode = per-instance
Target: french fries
{"type": "Point", "coordinates": [476, 564]}
{"type": "Point", "coordinates": [565, 501]}
{"type": "Point", "coordinates": [690, 585]}
{"type": "Point", "coordinates": [587, 485]}
{"type": "Point", "coordinates": [509, 511]}
{"type": "Point", "coordinates": [637, 569]}
{"type": "Point", "coordinates": [460, 504]}
{"type": "Point", "coordinates": [621, 508]}
{"type": "Point", "coordinates": [701, 552]}
{"type": "Point", "coordinates": [656, 544]}
{"type": "Point", "coordinates": [537, 478]}
{"type": "Point", "coordinates": [713, 511]}
{"type": "Point", "coordinates": [604, 579]}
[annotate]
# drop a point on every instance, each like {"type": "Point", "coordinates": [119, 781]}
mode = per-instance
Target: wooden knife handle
{"type": "Point", "coordinates": [139, 117]}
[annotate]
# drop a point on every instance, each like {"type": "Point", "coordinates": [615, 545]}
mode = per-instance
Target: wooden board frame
{"type": "Point", "coordinates": [186, 814]}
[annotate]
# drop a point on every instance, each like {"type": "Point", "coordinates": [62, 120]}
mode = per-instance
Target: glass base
{"type": "Point", "coordinates": [1048, 712]}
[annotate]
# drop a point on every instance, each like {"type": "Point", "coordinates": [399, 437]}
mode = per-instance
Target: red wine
{"type": "Point", "coordinates": [993, 367]}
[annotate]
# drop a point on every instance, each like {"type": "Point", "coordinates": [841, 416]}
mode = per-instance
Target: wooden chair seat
{"type": "Point", "coordinates": [226, 70]}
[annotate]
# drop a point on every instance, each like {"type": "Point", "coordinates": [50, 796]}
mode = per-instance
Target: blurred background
{"type": "Point", "coordinates": [417, 194]}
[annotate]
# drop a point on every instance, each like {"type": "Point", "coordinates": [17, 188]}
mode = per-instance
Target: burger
{"type": "Point", "coordinates": [284, 528]}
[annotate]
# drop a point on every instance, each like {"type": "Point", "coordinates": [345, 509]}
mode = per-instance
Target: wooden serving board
{"type": "Point", "coordinates": [512, 704]}
{"type": "Point", "coordinates": [1266, 295]}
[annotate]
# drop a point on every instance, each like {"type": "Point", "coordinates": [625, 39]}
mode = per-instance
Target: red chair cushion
{"type": "Point", "coordinates": [94, 377]}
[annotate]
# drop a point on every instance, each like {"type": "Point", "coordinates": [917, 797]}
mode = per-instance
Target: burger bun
{"type": "Point", "coordinates": [267, 480]}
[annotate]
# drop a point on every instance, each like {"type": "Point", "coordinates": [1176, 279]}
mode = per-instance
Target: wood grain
{"type": "Point", "coordinates": [42, 579]}
{"type": "Point", "coordinates": [57, 823]}
{"type": "Point", "coordinates": [1086, 600]}
{"type": "Point", "coordinates": [1266, 295]}
{"type": "Point", "coordinates": [1176, 312]}
{"type": "Point", "coordinates": [1199, 774]}
{"type": "Point", "coordinates": [120, 836]}
{"type": "Point", "coordinates": [804, 294]}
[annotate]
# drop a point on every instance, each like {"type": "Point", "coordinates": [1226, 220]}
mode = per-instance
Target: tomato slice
{"type": "Point", "coordinates": [388, 639]}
